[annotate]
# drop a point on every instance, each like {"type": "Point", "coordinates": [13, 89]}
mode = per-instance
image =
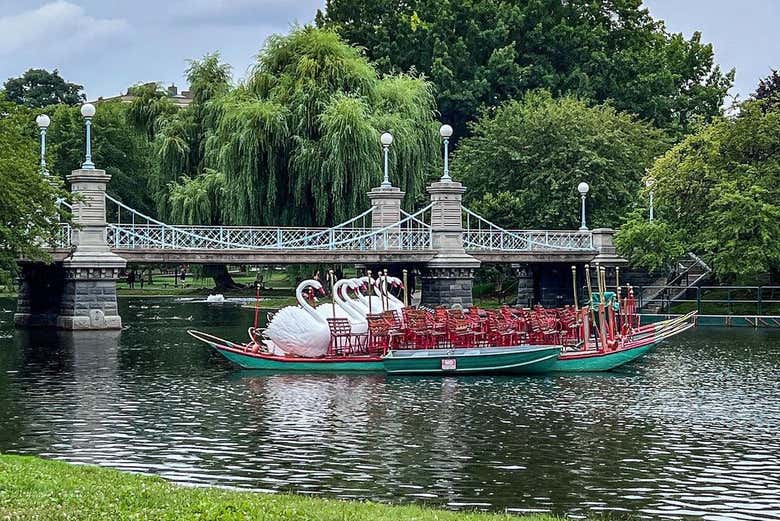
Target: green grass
{"type": "Point", "coordinates": [166, 285]}
{"type": "Point", "coordinates": [36, 489]}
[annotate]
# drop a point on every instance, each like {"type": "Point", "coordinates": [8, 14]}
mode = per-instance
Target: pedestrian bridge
{"type": "Point", "coordinates": [443, 243]}
{"type": "Point", "coordinates": [139, 238]}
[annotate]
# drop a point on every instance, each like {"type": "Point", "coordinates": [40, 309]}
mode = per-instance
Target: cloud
{"type": "Point", "coordinates": [59, 25]}
{"type": "Point", "coordinates": [246, 12]}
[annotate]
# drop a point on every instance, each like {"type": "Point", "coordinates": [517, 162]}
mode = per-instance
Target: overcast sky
{"type": "Point", "coordinates": [108, 45]}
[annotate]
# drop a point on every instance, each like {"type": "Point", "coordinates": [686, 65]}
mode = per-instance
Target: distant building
{"type": "Point", "coordinates": [180, 99]}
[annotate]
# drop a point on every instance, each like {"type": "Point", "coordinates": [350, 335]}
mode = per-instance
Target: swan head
{"type": "Point", "coordinates": [317, 285]}
{"type": "Point", "coordinates": [396, 282]}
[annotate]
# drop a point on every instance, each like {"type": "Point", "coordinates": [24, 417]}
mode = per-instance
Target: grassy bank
{"type": "Point", "coordinates": [33, 488]}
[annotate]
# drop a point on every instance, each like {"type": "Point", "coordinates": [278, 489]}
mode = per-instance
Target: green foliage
{"type": "Point", "coordinates": [28, 215]}
{"type": "Point", "coordinates": [525, 159]}
{"type": "Point", "coordinates": [653, 246]}
{"type": "Point", "coordinates": [769, 90]}
{"type": "Point", "coordinates": [33, 488]}
{"type": "Point", "coordinates": [720, 191]}
{"type": "Point", "coordinates": [124, 153]}
{"type": "Point", "coordinates": [38, 88]}
{"type": "Point", "coordinates": [299, 142]}
{"type": "Point", "coordinates": [181, 138]}
{"type": "Point", "coordinates": [150, 104]}
{"type": "Point", "coordinates": [483, 52]}
{"type": "Point", "coordinates": [198, 200]}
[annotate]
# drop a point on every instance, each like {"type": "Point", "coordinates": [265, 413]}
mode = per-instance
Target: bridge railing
{"type": "Point", "coordinates": [150, 233]}
{"type": "Point", "coordinates": [153, 236]}
{"type": "Point", "coordinates": [479, 234]}
{"type": "Point", "coordinates": [62, 238]}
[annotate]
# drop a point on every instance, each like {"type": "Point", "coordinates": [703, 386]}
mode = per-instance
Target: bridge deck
{"type": "Point", "coordinates": [244, 256]}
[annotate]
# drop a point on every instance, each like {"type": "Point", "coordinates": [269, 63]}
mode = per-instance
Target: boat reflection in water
{"type": "Point", "coordinates": [688, 433]}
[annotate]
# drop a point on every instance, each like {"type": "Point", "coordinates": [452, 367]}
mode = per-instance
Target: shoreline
{"type": "Point", "coordinates": [35, 488]}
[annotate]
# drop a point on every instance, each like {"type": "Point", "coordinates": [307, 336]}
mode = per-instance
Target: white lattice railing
{"type": "Point", "coordinates": [62, 239]}
{"type": "Point", "coordinates": [134, 230]}
{"type": "Point", "coordinates": [479, 234]}
{"type": "Point", "coordinates": [153, 234]}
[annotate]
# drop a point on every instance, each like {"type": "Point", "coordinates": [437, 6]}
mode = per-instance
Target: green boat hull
{"type": "Point", "coordinates": [371, 364]}
{"type": "Point", "coordinates": [527, 359]}
{"type": "Point", "coordinates": [599, 362]}
{"type": "Point", "coordinates": [246, 358]}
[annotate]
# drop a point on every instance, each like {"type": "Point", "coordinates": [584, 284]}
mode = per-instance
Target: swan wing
{"type": "Point", "coordinates": [295, 331]}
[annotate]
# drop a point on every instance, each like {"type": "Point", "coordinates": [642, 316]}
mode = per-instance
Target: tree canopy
{"type": "Point", "coordinates": [524, 161]}
{"type": "Point", "coordinates": [483, 52]}
{"type": "Point", "coordinates": [117, 147]}
{"type": "Point", "coordinates": [38, 88]}
{"type": "Point", "coordinates": [298, 141]}
{"type": "Point", "coordinates": [769, 90]}
{"type": "Point", "coordinates": [718, 195]}
{"type": "Point", "coordinates": [149, 106]}
{"type": "Point", "coordinates": [180, 144]}
{"type": "Point", "coordinates": [28, 214]}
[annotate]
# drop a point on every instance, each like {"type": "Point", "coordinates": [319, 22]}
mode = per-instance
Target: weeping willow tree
{"type": "Point", "coordinates": [198, 200]}
{"type": "Point", "coordinates": [150, 106]}
{"type": "Point", "coordinates": [181, 136]}
{"type": "Point", "coordinates": [298, 142]}
{"type": "Point", "coordinates": [187, 190]}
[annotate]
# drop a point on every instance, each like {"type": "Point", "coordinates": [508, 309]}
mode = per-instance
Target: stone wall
{"type": "Point", "coordinates": [40, 295]}
{"type": "Point", "coordinates": [447, 286]}
{"type": "Point", "coordinates": [89, 299]}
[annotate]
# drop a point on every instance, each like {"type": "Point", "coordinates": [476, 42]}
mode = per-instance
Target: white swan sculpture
{"type": "Point", "coordinates": [299, 330]}
{"type": "Point", "coordinates": [356, 303]}
{"type": "Point", "coordinates": [357, 318]}
{"type": "Point", "coordinates": [389, 300]}
{"type": "Point", "coordinates": [395, 281]}
{"type": "Point", "coordinates": [344, 309]}
{"type": "Point", "coordinates": [375, 303]}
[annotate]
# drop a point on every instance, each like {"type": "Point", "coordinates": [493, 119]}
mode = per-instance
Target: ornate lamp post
{"type": "Point", "coordinates": [88, 111]}
{"type": "Point", "coordinates": [387, 139]}
{"type": "Point", "coordinates": [583, 189]}
{"type": "Point", "coordinates": [649, 182]}
{"type": "Point", "coordinates": [446, 132]}
{"type": "Point", "coordinates": [43, 121]}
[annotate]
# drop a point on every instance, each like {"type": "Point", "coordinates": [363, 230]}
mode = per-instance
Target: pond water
{"type": "Point", "coordinates": [689, 432]}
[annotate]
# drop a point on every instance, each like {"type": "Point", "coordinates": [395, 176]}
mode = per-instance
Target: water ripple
{"type": "Point", "coordinates": [690, 432]}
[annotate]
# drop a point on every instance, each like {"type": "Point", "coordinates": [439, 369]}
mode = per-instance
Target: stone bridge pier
{"type": "Point", "coordinates": [449, 277]}
{"type": "Point", "coordinates": [80, 292]}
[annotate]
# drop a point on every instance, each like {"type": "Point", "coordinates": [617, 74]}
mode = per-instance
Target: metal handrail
{"type": "Point", "coordinates": [524, 237]}
{"type": "Point", "coordinates": [701, 297]}
{"type": "Point", "coordinates": [391, 237]}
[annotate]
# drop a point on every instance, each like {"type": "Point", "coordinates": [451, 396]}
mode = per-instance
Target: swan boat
{"type": "Point", "coordinates": [596, 360]}
{"type": "Point", "coordinates": [600, 336]}
{"type": "Point", "coordinates": [248, 356]}
{"type": "Point", "coordinates": [517, 359]}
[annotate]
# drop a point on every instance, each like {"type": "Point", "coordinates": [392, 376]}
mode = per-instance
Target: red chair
{"type": "Point", "coordinates": [378, 334]}
{"type": "Point", "coordinates": [340, 337]}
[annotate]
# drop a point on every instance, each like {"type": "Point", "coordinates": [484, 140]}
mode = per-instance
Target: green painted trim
{"type": "Point", "coordinates": [251, 362]}
{"type": "Point", "coordinates": [605, 362]}
{"type": "Point", "coordinates": [517, 361]}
